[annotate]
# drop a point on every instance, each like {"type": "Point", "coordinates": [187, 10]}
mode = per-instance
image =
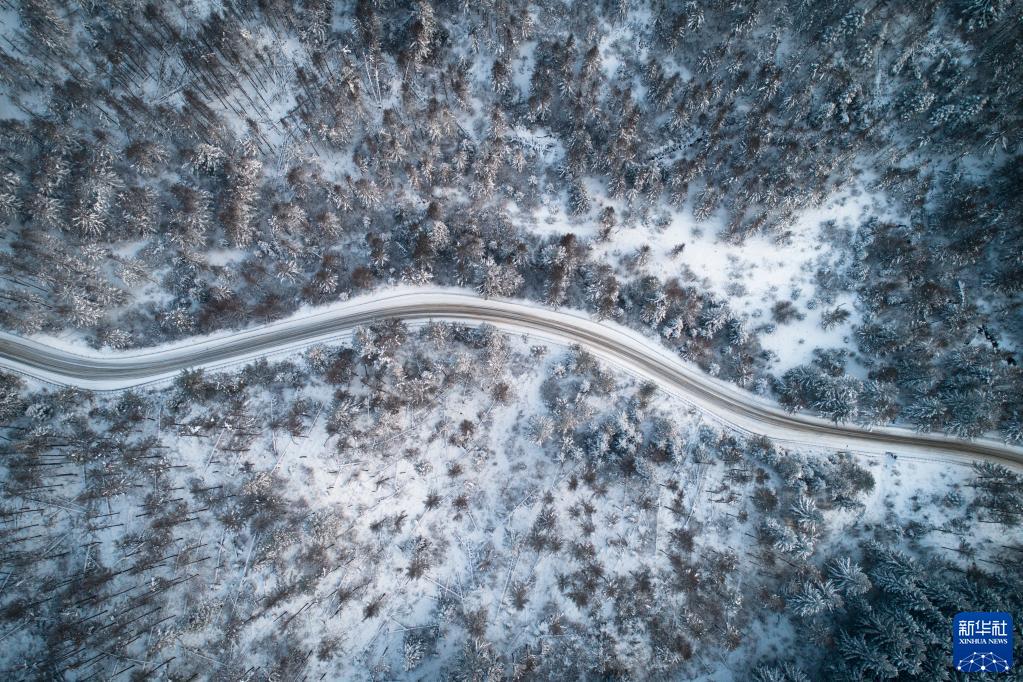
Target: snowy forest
{"type": "Point", "coordinates": [174, 168]}
{"type": "Point", "coordinates": [820, 203]}
{"type": "Point", "coordinates": [511, 511]}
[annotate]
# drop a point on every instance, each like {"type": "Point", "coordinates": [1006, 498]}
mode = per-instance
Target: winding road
{"type": "Point", "coordinates": [614, 344]}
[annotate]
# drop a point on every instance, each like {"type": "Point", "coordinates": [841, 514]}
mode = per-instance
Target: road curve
{"type": "Point", "coordinates": [627, 349]}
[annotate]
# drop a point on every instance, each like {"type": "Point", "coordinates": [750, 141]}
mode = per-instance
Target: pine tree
{"type": "Point", "coordinates": [848, 577]}
{"type": "Point", "coordinates": [578, 197]}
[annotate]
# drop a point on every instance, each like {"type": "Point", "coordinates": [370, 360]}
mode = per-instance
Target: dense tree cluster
{"type": "Point", "coordinates": [943, 296]}
{"type": "Point", "coordinates": [887, 615]}
{"type": "Point", "coordinates": [941, 306]}
{"type": "Point", "coordinates": [880, 608]}
{"type": "Point", "coordinates": [824, 387]}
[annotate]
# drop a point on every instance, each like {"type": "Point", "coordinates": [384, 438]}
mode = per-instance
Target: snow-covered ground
{"type": "Point", "coordinates": [750, 277]}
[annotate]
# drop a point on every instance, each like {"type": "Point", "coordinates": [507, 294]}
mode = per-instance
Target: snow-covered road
{"type": "Point", "coordinates": [614, 344]}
